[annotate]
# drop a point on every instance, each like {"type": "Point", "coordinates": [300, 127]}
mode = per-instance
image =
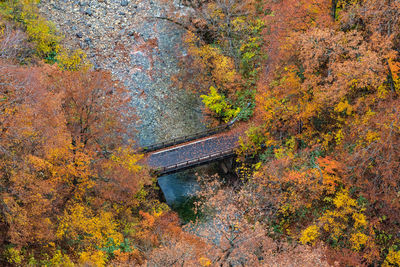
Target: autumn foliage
{"type": "Point", "coordinates": [319, 166]}
{"type": "Point", "coordinates": [223, 53]}
{"type": "Point", "coordinates": [67, 167]}
{"type": "Point", "coordinates": [327, 126]}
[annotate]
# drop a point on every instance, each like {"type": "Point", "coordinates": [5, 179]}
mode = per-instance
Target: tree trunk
{"type": "Point", "coordinates": [334, 5]}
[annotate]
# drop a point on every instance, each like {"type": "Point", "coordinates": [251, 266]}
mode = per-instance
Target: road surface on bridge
{"type": "Point", "coordinates": [192, 150]}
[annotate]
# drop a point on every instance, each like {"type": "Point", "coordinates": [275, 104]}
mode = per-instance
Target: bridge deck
{"type": "Point", "coordinates": [192, 153]}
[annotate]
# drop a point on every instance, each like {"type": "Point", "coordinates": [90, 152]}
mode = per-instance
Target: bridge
{"type": "Point", "coordinates": [190, 151]}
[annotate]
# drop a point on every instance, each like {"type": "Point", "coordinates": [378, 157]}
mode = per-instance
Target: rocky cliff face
{"type": "Point", "coordinates": [121, 36]}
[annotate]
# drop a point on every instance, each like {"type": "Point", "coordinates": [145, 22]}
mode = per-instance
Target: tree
{"type": "Point", "coordinates": [224, 45]}
{"type": "Point", "coordinates": [65, 161]}
{"type": "Point", "coordinates": [13, 42]}
{"type": "Point", "coordinates": [238, 231]}
{"type": "Point", "coordinates": [217, 104]}
{"type": "Point", "coordinates": [331, 96]}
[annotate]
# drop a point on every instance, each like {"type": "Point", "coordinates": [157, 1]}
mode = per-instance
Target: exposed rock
{"type": "Point", "coordinates": [88, 12]}
{"type": "Point", "coordinates": [140, 52]}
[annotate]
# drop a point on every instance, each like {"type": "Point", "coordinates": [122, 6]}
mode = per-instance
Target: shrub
{"type": "Point", "coordinates": [219, 106]}
{"type": "Point", "coordinates": [72, 60]}
{"type": "Point", "coordinates": [13, 255]}
{"type": "Point", "coordinates": [41, 33]}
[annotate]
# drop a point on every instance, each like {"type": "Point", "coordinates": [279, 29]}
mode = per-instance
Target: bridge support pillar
{"type": "Point", "coordinates": [229, 163]}
{"type": "Point", "coordinates": [226, 165]}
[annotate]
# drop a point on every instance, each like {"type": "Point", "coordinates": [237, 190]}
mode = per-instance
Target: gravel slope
{"type": "Point", "coordinates": [119, 36]}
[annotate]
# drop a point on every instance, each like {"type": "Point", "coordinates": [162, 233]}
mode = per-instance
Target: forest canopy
{"type": "Point", "coordinates": [316, 84]}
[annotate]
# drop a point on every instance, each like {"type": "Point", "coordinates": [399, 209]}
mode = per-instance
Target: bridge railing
{"type": "Point", "coordinates": [194, 162]}
{"type": "Point", "coordinates": [187, 138]}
